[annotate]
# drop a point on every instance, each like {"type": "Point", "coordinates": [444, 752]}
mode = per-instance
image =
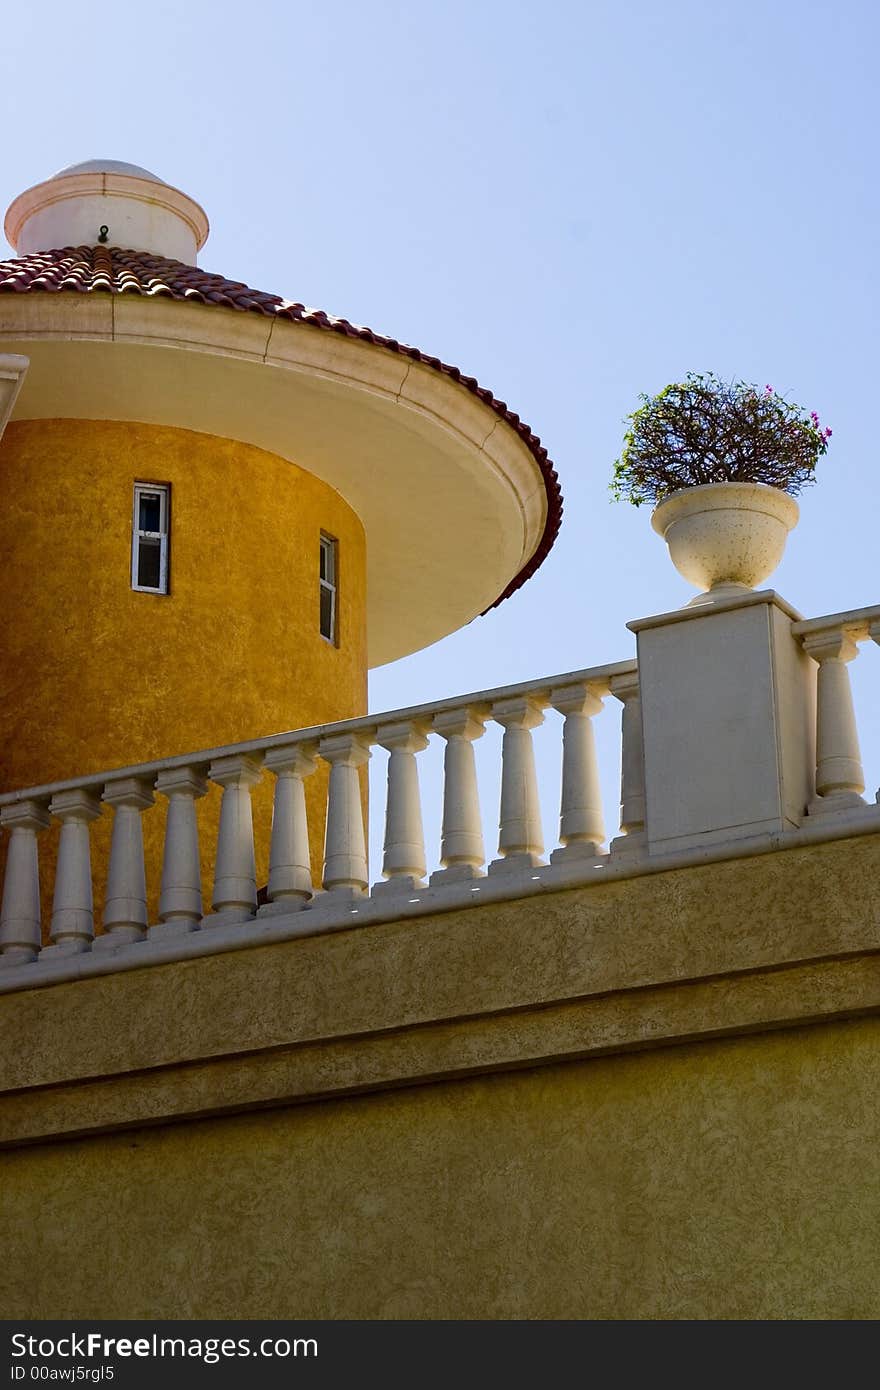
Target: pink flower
{"type": "Point", "coordinates": [769, 390]}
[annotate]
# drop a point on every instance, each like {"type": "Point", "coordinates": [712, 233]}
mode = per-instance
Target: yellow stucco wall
{"type": "Point", "coordinates": [736, 1178]}
{"type": "Point", "coordinates": [95, 675]}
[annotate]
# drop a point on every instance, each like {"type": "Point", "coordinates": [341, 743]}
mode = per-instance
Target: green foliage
{"type": "Point", "coordinates": [705, 430]}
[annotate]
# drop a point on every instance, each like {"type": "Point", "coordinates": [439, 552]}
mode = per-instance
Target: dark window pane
{"type": "Point", "coordinates": [325, 561]}
{"type": "Point", "coordinates": [150, 511]}
{"type": "Point", "coordinates": [327, 613]}
{"type": "Point", "coordinates": [148, 564]}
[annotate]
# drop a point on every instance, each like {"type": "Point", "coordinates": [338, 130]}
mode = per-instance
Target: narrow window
{"type": "Point", "coordinates": [149, 538]}
{"type": "Point", "coordinates": [327, 587]}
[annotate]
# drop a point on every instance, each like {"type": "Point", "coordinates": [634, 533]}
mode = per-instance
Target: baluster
{"type": "Point", "coordinates": [404, 860]}
{"type": "Point", "coordinates": [874, 634]}
{"type": "Point", "coordinates": [235, 873]}
{"type": "Point", "coordinates": [290, 872]}
{"type": "Point", "coordinates": [581, 829]}
{"type": "Point", "coordinates": [520, 840]}
{"type": "Point", "coordinates": [73, 919]}
{"type": "Point", "coordinates": [839, 777]}
{"type": "Point", "coordinates": [632, 838]}
{"type": "Point", "coordinates": [180, 897]}
{"type": "Point", "coordinates": [20, 935]}
{"type": "Point", "coordinates": [461, 845]}
{"type": "Point", "coordinates": [345, 850]}
{"type": "Point", "coordinates": [125, 906]}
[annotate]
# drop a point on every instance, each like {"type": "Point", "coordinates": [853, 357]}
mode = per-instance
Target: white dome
{"type": "Point", "coordinates": [107, 166]}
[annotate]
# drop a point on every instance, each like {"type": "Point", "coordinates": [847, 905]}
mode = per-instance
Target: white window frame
{"type": "Point", "coordinates": [329, 546]}
{"type": "Point", "coordinates": [137, 535]}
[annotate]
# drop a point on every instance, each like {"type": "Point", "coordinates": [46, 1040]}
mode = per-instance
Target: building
{"type": "Point", "coordinates": [627, 1082]}
{"type": "Point", "coordinates": [269, 458]}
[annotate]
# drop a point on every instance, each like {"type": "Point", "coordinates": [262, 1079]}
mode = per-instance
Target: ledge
{"type": "Point", "coordinates": [762, 941]}
{"type": "Point", "coordinates": [707, 608]}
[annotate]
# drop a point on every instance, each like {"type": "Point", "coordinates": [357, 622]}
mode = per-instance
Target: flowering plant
{"type": "Point", "coordinates": [705, 430]}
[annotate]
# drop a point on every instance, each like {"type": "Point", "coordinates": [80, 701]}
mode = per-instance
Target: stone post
{"type": "Point", "coordinates": [125, 907]}
{"type": "Point", "coordinates": [235, 873]}
{"type": "Point", "coordinates": [839, 777]}
{"type": "Point", "coordinates": [20, 936]}
{"type": "Point", "coordinates": [180, 898]}
{"type": "Point", "coordinates": [461, 844]}
{"type": "Point", "coordinates": [404, 851]}
{"type": "Point", "coordinates": [73, 919]}
{"type": "Point", "coordinates": [290, 873]}
{"type": "Point", "coordinates": [345, 849]}
{"type": "Point", "coordinates": [581, 828]}
{"type": "Point", "coordinates": [520, 839]}
{"type": "Point", "coordinates": [631, 839]}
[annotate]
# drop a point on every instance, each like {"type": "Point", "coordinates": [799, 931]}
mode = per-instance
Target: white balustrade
{"type": "Point", "coordinates": [235, 872]}
{"type": "Point", "coordinates": [290, 872]}
{"type": "Point", "coordinates": [73, 920]}
{"type": "Point", "coordinates": [403, 864]}
{"type": "Point", "coordinates": [20, 931]}
{"type": "Point", "coordinates": [520, 837]}
{"type": "Point", "coordinates": [345, 849]}
{"type": "Point", "coordinates": [125, 905]}
{"type": "Point", "coordinates": [461, 844]}
{"type": "Point", "coordinates": [581, 826]}
{"type": "Point", "coordinates": [632, 765]}
{"type": "Point", "coordinates": [345, 748]}
{"type": "Point", "coordinates": [180, 898]}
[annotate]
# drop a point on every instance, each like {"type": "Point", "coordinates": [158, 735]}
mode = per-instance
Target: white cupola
{"type": "Point", "coordinates": [104, 201]}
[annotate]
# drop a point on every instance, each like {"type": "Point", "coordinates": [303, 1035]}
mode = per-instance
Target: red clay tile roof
{"type": "Point", "coordinates": [87, 269]}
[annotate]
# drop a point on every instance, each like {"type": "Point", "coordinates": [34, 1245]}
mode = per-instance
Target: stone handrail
{"type": "Point", "coordinates": [345, 746]}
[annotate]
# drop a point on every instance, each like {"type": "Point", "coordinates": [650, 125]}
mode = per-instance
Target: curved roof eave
{"type": "Point", "coordinates": [103, 269]}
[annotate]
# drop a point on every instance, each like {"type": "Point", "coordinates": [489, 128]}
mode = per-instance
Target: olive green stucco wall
{"type": "Point", "coordinates": [736, 1178]}
{"type": "Point", "coordinates": [654, 1097]}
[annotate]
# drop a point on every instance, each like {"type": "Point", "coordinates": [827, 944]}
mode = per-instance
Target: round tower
{"type": "Point", "coordinates": [221, 506]}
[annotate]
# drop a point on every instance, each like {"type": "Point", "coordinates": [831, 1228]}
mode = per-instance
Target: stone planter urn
{"type": "Point", "coordinates": [725, 538]}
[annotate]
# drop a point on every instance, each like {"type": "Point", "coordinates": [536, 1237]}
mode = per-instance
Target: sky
{"type": "Point", "coordinates": [574, 202]}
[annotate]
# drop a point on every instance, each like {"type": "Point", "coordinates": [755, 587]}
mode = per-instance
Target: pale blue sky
{"type": "Point", "coordinates": [574, 202]}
